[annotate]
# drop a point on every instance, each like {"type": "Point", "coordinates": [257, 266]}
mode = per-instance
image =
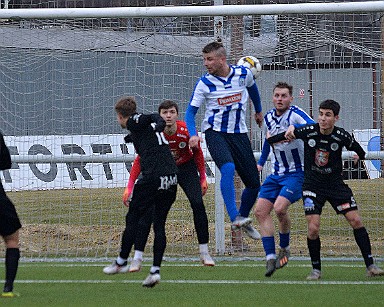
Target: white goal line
{"type": "Point", "coordinates": [179, 11]}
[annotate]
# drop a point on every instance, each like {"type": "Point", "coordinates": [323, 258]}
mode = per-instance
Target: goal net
{"type": "Point", "coordinates": [61, 75]}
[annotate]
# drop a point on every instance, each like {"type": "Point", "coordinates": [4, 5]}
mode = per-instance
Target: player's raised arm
{"type": "Point", "coordinates": [191, 126]}
{"type": "Point", "coordinates": [256, 100]}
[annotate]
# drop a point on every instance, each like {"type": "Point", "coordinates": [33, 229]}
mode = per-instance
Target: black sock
{"type": "Point", "coordinates": [12, 256]}
{"type": "Point", "coordinates": [362, 240]}
{"type": "Point", "coordinates": [314, 252]}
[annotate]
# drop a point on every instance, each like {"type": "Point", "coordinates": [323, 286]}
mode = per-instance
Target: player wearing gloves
{"type": "Point", "coordinates": [155, 190]}
{"type": "Point", "coordinates": [323, 181]}
{"type": "Point", "coordinates": [191, 177]}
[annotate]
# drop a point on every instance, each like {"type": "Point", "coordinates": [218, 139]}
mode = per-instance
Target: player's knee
{"type": "Point", "coordinates": [261, 210]}
{"type": "Point", "coordinates": [313, 230]}
{"type": "Point", "coordinates": [354, 219]}
{"type": "Point", "coordinates": [281, 214]}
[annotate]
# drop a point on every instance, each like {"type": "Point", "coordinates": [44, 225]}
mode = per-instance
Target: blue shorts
{"type": "Point", "coordinates": [288, 186]}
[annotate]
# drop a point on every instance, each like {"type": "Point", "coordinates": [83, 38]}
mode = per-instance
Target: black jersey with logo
{"type": "Point", "coordinates": [145, 131]}
{"type": "Point", "coordinates": [323, 153]}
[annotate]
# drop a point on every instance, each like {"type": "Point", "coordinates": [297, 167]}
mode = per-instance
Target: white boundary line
{"type": "Point", "coordinates": [197, 264]}
{"type": "Point", "coordinates": [184, 281]}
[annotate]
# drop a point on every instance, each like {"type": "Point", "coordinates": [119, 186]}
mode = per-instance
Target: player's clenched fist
{"type": "Point", "coordinates": [204, 186]}
{"type": "Point", "coordinates": [126, 197]}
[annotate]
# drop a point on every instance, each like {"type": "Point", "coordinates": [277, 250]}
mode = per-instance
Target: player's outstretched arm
{"type": "Point", "coordinates": [276, 138]}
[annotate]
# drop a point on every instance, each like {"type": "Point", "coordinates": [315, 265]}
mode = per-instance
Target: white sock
{"type": "Point", "coordinates": [154, 269]}
{"type": "Point", "coordinates": [203, 248]}
{"type": "Point", "coordinates": [271, 256]}
{"type": "Point", "coordinates": [120, 261]}
{"type": "Point", "coordinates": [138, 255]}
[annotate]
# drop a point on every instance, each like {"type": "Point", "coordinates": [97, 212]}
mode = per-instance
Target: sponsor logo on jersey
{"type": "Point", "coordinates": [229, 100]}
{"type": "Point", "coordinates": [321, 157]}
{"type": "Point", "coordinates": [182, 136]}
{"type": "Point", "coordinates": [335, 138]}
{"type": "Point", "coordinates": [182, 145]}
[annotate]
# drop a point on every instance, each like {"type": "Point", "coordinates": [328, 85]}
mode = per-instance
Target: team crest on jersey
{"type": "Point", "coordinates": [321, 157]}
{"type": "Point", "coordinates": [334, 146]}
{"type": "Point", "coordinates": [241, 81]}
{"type": "Point", "coordinates": [182, 145]}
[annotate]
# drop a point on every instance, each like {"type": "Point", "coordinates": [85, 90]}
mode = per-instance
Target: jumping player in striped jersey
{"type": "Point", "coordinates": [283, 186]}
{"type": "Point", "coordinates": [225, 91]}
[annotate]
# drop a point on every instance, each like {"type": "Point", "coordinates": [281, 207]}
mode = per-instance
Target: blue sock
{"type": "Point", "coordinates": [284, 239]}
{"type": "Point", "coordinates": [228, 189]}
{"type": "Point", "coordinates": [269, 245]}
{"type": "Point", "coordinates": [248, 199]}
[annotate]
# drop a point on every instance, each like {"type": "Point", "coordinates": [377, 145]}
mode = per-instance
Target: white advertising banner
{"type": "Point", "coordinates": [70, 162]}
{"type": "Point", "coordinates": [59, 175]}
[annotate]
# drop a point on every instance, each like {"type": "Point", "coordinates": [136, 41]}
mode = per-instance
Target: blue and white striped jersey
{"type": "Point", "coordinates": [226, 100]}
{"type": "Point", "coordinates": [287, 157]}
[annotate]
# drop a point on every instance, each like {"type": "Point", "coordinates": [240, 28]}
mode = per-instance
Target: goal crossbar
{"type": "Point", "coordinates": [179, 11]}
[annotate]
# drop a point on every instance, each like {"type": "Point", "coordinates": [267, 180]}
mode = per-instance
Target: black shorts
{"type": "Point", "coordinates": [150, 192]}
{"type": "Point", "coordinates": [339, 195]}
{"type": "Point", "coordinates": [9, 220]}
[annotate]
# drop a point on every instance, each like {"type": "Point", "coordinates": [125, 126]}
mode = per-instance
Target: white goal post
{"type": "Point", "coordinates": [62, 69]}
{"type": "Point", "coordinates": [196, 10]}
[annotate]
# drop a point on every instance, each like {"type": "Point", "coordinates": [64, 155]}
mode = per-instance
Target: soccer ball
{"type": "Point", "coordinates": [252, 63]}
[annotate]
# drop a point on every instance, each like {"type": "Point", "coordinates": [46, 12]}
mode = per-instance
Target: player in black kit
{"type": "Point", "coordinates": [9, 227]}
{"type": "Point", "coordinates": [323, 181]}
{"type": "Point", "coordinates": [155, 190]}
